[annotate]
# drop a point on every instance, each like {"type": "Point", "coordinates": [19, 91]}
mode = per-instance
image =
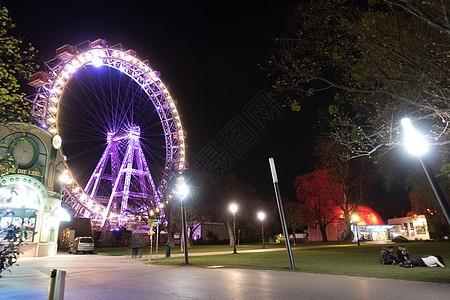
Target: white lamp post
{"type": "Point", "coordinates": [233, 209]}
{"type": "Point", "coordinates": [261, 216]}
{"type": "Point", "coordinates": [355, 221]}
{"type": "Point", "coordinates": [418, 146]}
{"type": "Point", "coordinates": [182, 192]}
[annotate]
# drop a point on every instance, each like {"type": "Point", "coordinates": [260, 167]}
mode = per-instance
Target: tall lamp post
{"type": "Point", "coordinates": [355, 221]}
{"type": "Point", "coordinates": [418, 146]}
{"type": "Point", "coordinates": [233, 209]}
{"type": "Point", "coordinates": [182, 192]}
{"type": "Point", "coordinates": [261, 216]}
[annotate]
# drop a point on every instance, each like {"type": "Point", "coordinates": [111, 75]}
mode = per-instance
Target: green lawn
{"type": "Point", "coordinates": [350, 260]}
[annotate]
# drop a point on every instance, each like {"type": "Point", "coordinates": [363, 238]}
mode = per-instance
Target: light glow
{"type": "Point", "coordinates": [261, 216]}
{"type": "Point", "coordinates": [415, 143]}
{"type": "Point", "coordinates": [233, 208]}
{"type": "Point", "coordinates": [62, 215]}
{"type": "Point", "coordinates": [97, 61]}
{"type": "Point", "coordinates": [182, 189]}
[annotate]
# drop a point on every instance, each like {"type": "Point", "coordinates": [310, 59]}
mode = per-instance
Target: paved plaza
{"type": "Point", "coordinates": [119, 277]}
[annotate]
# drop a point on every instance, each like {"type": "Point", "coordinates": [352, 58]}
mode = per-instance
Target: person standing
{"type": "Point", "coordinates": [135, 244]}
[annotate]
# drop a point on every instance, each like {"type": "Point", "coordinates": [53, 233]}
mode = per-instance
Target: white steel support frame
{"type": "Point", "coordinates": [121, 184]}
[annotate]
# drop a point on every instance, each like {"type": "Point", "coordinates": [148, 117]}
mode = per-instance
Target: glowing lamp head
{"type": "Point", "coordinates": [414, 142]}
{"type": "Point", "coordinates": [261, 216]}
{"type": "Point", "coordinates": [355, 218]}
{"type": "Point", "coordinates": [233, 208]}
{"type": "Point", "coordinates": [182, 189]}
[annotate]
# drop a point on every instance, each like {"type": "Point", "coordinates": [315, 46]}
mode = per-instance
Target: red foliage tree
{"type": "Point", "coordinates": [354, 176]}
{"type": "Point", "coordinates": [320, 195]}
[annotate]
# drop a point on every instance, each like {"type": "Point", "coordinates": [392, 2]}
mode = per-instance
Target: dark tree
{"type": "Point", "coordinates": [376, 60]}
{"type": "Point", "coordinates": [16, 65]}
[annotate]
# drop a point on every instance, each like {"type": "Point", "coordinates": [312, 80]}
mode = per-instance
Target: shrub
{"type": "Point", "coordinates": [10, 251]}
{"type": "Point", "coordinates": [400, 239]}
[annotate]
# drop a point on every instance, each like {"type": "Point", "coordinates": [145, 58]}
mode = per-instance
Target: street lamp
{"type": "Point", "coordinates": [233, 209]}
{"type": "Point", "coordinates": [182, 192]}
{"type": "Point", "coordinates": [418, 146]}
{"type": "Point", "coordinates": [355, 221]}
{"type": "Point", "coordinates": [261, 216]}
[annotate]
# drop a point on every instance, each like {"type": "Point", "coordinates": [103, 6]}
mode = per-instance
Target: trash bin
{"type": "Point", "coordinates": [167, 249]}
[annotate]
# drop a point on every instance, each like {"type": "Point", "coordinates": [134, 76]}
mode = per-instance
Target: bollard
{"type": "Point", "coordinates": [167, 249]}
{"type": "Point", "coordinates": [57, 282]}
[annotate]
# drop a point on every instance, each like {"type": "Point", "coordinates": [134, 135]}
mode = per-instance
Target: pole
{"type": "Point", "coordinates": [280, 210]}
{"type": "Point", "coordinates": [183, 220]}
{"type": "Point", "coordinates": [357, 233]}
{"type": "Point", "coordinates": [437, 190]}
{"type": "Point", "coordinates": [234, 233]}
{"type": "Point", "coordinates": [151, 242]}
{"type": "Point", "coordinates": [157, 242]}
{"type": "Point", "coordinates": [262, 233]}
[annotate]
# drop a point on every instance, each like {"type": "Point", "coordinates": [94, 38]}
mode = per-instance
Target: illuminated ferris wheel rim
{"type": "Point", "coordinates": [100, 54]}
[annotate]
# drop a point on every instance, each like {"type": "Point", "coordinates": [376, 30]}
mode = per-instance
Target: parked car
{"type": "Point", "coordinates": [82, 244]}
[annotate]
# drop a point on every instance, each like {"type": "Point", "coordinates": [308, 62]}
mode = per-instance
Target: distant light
{"type": "Point", "coordinates": [355, 218]}
{"type": "Point", "coordinates": [414, 142]}
{"type": "Point", "coordinates": [233, 208]}
{"type": "Point", "coordinates": [261, 216]}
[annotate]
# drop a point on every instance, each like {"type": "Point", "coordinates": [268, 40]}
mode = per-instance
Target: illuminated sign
{"type": "Point", "coordinates": [378, 227]}
{"type": "Point", "coordinates": [22, 172]}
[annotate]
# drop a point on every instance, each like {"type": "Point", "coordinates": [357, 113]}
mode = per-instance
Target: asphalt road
{"type": "Point", "coordinates": [117, 277]}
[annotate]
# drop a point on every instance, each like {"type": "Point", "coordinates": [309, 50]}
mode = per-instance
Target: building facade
{"type": "Point", "coordinates": [412, 228]}
{"type": "Point", "coordinates": [30, 189]}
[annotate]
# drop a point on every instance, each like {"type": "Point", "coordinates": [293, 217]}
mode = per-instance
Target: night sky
{"type": "Point", "coordinates": [208, 54]}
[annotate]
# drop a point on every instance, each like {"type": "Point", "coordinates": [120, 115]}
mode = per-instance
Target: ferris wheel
{"type": "Point", "coordinates": [119, 129]}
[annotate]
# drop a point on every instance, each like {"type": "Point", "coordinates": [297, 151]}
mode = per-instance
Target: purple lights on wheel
{"type": "Point", "coordinates": [135, 183]}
